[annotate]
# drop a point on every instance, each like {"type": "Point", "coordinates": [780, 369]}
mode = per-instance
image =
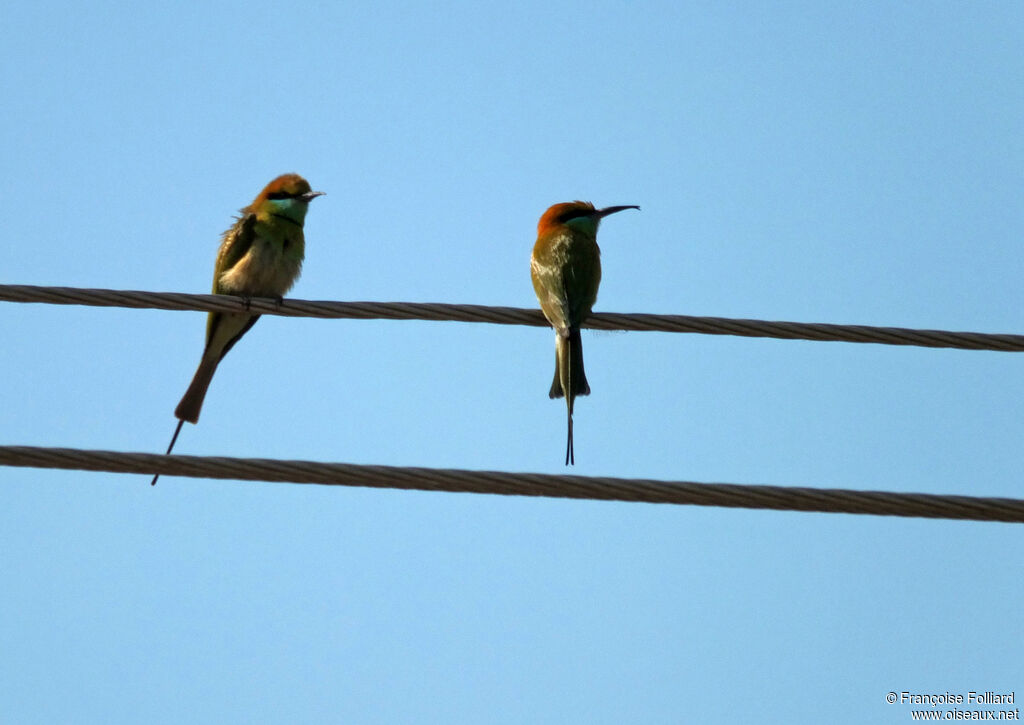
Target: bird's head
{"type": "Point", "coordinates": [579, 215]}
{"type": "Point", "coordinates": [286, 196]}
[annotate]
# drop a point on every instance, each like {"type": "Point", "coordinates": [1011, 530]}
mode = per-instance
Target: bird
{"type": "Point", "coordinates": [260, 255]}
{"type": "Point", "coordinates": [565, 268]}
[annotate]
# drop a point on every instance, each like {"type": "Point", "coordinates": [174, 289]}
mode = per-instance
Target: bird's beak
{"type": "Point", "coordinates": [310, 195]}
{"type": "Point", "coordinates": [602, 213]}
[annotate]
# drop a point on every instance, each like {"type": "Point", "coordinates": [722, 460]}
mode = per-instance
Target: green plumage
{"type": "Point", "coordinates": [260, 256]}
{"type": "Point", "coordinates": [566, 272]}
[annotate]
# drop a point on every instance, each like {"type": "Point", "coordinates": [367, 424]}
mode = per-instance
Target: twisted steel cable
{"type": "Point", "coordinates": [783, 498]}
{"type": "Point", "coordinates": [514, 316]}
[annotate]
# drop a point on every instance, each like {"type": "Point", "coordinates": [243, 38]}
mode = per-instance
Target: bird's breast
{"type": "Point", "coordinates": [268, 269]}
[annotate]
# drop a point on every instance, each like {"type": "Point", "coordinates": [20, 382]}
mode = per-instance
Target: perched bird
{"type": "Point", "coordinates": [260, 256]}
{"type": "Point", "coordinates": [566, 271]}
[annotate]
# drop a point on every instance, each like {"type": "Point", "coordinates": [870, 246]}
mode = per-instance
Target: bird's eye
{"type": "Point", "coordinates": [575, 214]}
{"type": "Point", "coordinates": [280, 195]}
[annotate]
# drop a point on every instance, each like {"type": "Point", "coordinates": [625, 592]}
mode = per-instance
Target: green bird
{"type": "Point", "coordinates": [260, 256]}
{"type": "Point", "coordinates": [566, 271]}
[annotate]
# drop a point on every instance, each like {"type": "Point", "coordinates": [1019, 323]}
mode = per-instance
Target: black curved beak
{"type": "Point", "coordinates": [602, 213]}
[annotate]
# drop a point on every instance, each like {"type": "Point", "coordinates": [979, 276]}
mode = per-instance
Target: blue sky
{"type": "Point", "coordinates": [848, 163]}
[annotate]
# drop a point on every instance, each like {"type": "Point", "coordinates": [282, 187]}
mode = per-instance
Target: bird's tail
{"type": "Point", "coordinates": [222, 332]}
{"type": "Point", "coordinates": [570, 379]}
{"type": "Point", "coordinates": [192, 401]}
{"type": "Point", "coordinates": [570, 454]}
{"type": "Point", "coordinates": [169, 447]}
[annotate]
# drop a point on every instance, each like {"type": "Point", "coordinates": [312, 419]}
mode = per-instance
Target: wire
{"type": "Point", "coordinates": [879, 503]}
{"type": "Point", "coordinates": [513, 316]}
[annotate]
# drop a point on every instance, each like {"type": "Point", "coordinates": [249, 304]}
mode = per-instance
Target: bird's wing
{"type": "Point", "coordinates": [224, 330]}
{"type": "Point", "coordinates": [237, 241]}
{"type": "Point", "coordinates": [549, 284]}
{"type": "Point", "coordinates": [580, 279]}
